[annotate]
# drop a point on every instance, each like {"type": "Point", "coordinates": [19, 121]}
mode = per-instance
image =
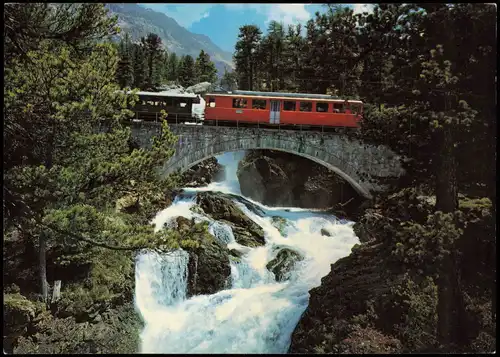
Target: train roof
{"type": "Point", "coordinates": [283, 94]}
{"type": "Point", "coordinates": [278, 95]}
{"type": "Point", "coordinates": [167, 94]}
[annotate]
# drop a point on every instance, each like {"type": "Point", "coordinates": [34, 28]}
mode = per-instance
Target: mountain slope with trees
{"type": "Point", "coordinates": [139, 21]}
{"type": "Point", "coordinates": [147, 66]}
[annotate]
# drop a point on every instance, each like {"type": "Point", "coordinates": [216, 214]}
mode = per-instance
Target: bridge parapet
{"type": "Point", "coordinates": [356, 162]}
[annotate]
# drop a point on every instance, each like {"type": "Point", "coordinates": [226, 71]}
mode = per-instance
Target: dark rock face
{"type": "Point", "coordinates": [220, 207]}
{"type": "Point", "coordinates": [281, 179]}
{"type": "Point", "coordinates": [329, 321]}
{"type": "Point", "coordinates": [283, 263]}
{"type": "Point", "coordinates": [280, 224]}
{"type": "Point", "coordinates": [203, 173]}
{"type": "Point", "coordinates": [325, 232]}
{"type": "Point", "coordinates": [208, 266]}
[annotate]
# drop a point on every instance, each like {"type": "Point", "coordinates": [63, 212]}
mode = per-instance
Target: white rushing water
{"type": "Point", "coordinates": [257, 314]}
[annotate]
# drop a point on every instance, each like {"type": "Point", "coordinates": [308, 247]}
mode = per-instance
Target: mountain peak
{"type": "Point", "coordinates": [138, 21]}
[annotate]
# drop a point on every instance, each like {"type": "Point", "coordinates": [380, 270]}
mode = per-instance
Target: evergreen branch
{"type": "Point", "coordinates": [89, 240]}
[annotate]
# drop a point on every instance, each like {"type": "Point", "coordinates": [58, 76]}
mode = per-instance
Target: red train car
{"type": "Point", "coordinates": [273, 108]}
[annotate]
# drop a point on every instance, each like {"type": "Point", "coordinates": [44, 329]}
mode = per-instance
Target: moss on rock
{"type": "Point", "coordinates": [284, 262]}
{"type": "Point", "coordinates": [221, 207]}
{"type": "Point", "coordinates": [280, 224]}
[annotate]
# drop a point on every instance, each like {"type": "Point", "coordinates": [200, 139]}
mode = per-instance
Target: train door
{"type": "Point", "coordinates": [274, 113]}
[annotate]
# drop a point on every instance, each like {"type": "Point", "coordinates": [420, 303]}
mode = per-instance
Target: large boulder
{"type": "Point", "coordinates": [280, 224]}
{"type": "Point", "coordinates": [250, 237]}
{"type": "Point", "coordinates": [208, 266]}
{"type": "Point", "coordinates": [283, 264]}
{"type": "Point", "coordinates": [344, 298]}
{"type": "Point", "coordinates": [18, 314]}
{"type": "Point", "coordinates": [200, 88]}
{"type": "Point", "coordinates": [202, 173]}
{"type": "Point", "coordinates": [281, 179]}
{"type": "Point", "coordinates": [221, 207]}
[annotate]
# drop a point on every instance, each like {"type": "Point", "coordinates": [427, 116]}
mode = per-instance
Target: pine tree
{"type": "Point", "coordinates": [173, 67]}
{"type": "Point", "coordinates": [205, 69]}
{"type": "Point", "coordinates": [187, 71]}
{"type": "Point", "coordinates": [152, 47]}
{"type": "Point", "coordinates": [292, 57]}
{"type": "Point", "coordinates": [124, 72]}
{"type": "Point", "coordinates": [62, 178]}
{"type": "Point", "coordinates": [431, 131]}
{"type": "Point", "coordinates": [165, 67]}
{"type": "Point", "coordinates": [273, 47]}
{"type": "Point", "coordinates": [140, 67]}
{"type": "Point", "coordinates": [244, 56]}
{"type": "Point", "coordinates": [229, 80]}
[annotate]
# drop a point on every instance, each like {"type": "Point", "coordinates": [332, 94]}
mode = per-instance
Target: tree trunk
{"type": "Point", "coordinates": [492, 189]}
{"type": "Point", "coordinates": [42, 249]}
{"type": "Point", "coordinates": [56, 292]}
{"type": "Point", "coordinates": [446, 181]}
{"type": "Point", "coordinates": [447, 202]}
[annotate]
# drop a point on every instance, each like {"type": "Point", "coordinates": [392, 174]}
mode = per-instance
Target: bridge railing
{"type": "Point", "coordinates": [188, 119]}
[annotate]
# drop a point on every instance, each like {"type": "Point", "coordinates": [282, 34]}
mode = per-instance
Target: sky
{"type": "Point", "coordinates": [221, 22]}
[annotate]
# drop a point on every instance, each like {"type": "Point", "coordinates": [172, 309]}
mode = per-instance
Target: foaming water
{"type": "Point", "coordinates": [257, 314]}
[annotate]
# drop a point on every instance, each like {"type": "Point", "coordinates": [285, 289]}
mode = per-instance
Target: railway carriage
{"type": "Point", "coordinates": [178, 106]}
{"type": "Point", "coordinates": [283, 109]}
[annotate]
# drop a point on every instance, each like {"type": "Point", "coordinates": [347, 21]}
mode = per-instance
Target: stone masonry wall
{"type": "Point", "coordinates": [354, 161]}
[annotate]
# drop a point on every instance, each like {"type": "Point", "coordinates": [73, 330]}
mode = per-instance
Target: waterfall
{"type": "Point", "coordinates": [222, 232]}
{"type": "Point", "coordinates": [255, 314]}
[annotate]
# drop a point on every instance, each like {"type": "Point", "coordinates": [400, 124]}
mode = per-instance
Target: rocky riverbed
{"type": "Point", "coordinates": [281, 179]}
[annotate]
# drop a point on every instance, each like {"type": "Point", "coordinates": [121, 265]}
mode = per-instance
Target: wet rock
{"type": "Point", "coordinates": [183, 224]}
{"type": "Point", "coordinates": [370, 222]}
{"type": "Point", "coordinates": [280, 224]}
{"type": "Point", "coordinates": [284, 262]}
{"type": "Point", "coordinates": [221, 207]}
{"type": "Point", "coordinates": [282, 179]}
{"type": "Point", "coordinates": [202, 173]}
{"type": "Point", "coordinates": [196, 209]}
{"type": "Point", "coordinates": [250, 237]}
{"type": "Point", "coordinates": [208, 266]}
{"type": "Point", "coordinates": [344, 293]}
{"type": "Point", "coordinates": [325, 232]}
{"type": "Point", "coordinates": [236, 253]}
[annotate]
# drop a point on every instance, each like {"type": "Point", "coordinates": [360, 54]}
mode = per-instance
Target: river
{"type": "Point", "coordinates": [257, 314]}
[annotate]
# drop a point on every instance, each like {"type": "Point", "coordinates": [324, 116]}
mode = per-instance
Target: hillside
{"type": "Point", "coordinates": [139, 21]}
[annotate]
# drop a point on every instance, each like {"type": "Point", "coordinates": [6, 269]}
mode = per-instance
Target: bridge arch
{"type": "Point", "coordinates": [359, 189]}
{"type": "Point", "coordinates": [354, 161]}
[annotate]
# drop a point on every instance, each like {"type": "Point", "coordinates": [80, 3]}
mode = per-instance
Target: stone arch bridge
{"type": "Point", "coordinates": [354, 161]}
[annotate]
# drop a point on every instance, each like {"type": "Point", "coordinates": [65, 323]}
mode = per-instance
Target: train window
{"type": "Point", "coordinates": [356, 108]}
{"type": "Point", "coordinates": [239, 103]}
{"type": "Point", "coordinates": [338, 107]}
{"type": "Point", "coordinates": [211, 102]}
{"type": "Point", "coordinates": [306, 106]}
{"type": "Point", "coordinates": [289, 105]}
{"type": "Point", "coordinates": [322, 107]}
{"type": "Point", "coordinates": [258, 104]}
